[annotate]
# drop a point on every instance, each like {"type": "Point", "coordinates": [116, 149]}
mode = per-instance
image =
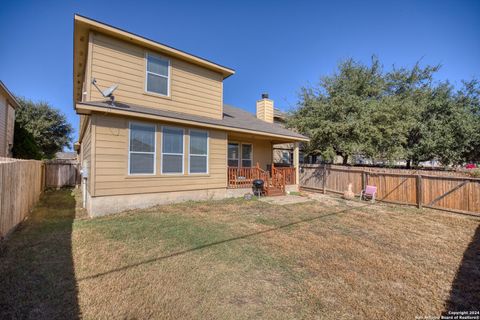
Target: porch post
{"type": "Point", "coordinates": [296, 162]}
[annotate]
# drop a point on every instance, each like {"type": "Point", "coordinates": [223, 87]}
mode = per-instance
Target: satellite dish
{"type": "Point", "coordinates": [107, 93]}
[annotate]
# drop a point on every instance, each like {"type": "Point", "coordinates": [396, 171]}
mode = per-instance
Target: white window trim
{"type": "Point", "coordinates": [198, 155]}
{"type": "Point", "coordinates": [241, 155]}
{"type": "Point", "coordinates": [143, 152]}
{"type": "Point", "coordinates": [168, 77]}
{"type": "Point", "coordinates": [173, 154]}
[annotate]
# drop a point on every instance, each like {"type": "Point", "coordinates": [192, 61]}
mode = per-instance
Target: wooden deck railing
{"type": "Point", "coordinates": [243, 177]}
{"type": "Point", "coordinates": [288, 173]}
{"type": "Point", "coordinates": [277, 177]}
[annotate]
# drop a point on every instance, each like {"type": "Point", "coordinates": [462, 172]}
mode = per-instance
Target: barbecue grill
{"type": "Point", "coordinates": [257, 187]}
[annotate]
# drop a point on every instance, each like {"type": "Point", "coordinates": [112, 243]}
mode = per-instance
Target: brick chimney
{"type": "Point", "coordinates": [265, 108]}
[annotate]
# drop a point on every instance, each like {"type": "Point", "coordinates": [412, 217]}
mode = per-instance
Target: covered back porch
{"type": "Point", "coordinates": [251, 157]}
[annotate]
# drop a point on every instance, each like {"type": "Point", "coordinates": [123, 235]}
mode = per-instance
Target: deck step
{"type": "Point", "coordinates": [275, 192]}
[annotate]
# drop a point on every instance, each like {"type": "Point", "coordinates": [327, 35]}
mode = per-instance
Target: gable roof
{"type": "Point", "coordinates": [82, 27]}
{"type": "Point", "coordinates": [234, 119]}
{"type": "Point", "coordinates": [237, 117]}
{"type": "Point", "coordinates": [10, 97]}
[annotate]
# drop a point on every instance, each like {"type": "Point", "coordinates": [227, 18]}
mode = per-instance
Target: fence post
{"type": "Point", "coordinates": [419, 191]}
{"type": "Point", "coordinates": [364, 179]}
{"type": "Point", "coordinates": [44, 176]}
{"type": "Point", "coordinates": [324, 178]}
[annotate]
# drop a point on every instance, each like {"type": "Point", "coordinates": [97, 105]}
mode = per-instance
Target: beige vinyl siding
{"type": "Point", "coordinates": [3, 126]}
{"type": "Point", "coordinates": [265, 110]}
{"type": "Point", "coordinates": [10, 128]}
{"type": "Point", "coordinates": [262, 153]}
{"type": "Point", "coordinates": [111, 162]}
{"type": "Point", "coordinates": [269, 114]}
{"type": "Point", "coordinates": [86, 150]}
{"type": "Point", "coordinates": [82, 122]}
{"type": "Point", "coordinates": [193, 89]}
{"type": "Point", "coordinates": [262, 150]}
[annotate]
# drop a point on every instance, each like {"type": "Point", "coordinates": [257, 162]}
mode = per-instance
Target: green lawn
{"type": "Point", "coordinates": [238, 259]}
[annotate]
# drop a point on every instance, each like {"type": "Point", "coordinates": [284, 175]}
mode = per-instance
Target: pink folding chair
{"type": "Point", "coordinates": [369, 193]}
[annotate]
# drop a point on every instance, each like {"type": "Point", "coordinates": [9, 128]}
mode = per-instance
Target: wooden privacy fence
{"type": "Point", "coordinates": [21, 183]}
{"type": "Point", "coordinates": [451, 193]}
{"type": "Point", "coordinates": [61, 173]}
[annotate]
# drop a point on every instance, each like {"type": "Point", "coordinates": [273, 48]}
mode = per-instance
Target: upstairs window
{"type": "Point", "coordinates": [157, 78]}
{"type": "Point", "coordinates": [142, 149]}
{"type": "Point", "coordinates": [198, 160]}
{"type": "Point", "coordinates": [172, 150]}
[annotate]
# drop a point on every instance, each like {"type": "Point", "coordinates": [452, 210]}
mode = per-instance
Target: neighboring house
{"type": "Point", "coordinates": [8, 103]}
{"type": "Point", "coordinates": [168, 136]}
{"type": "Point", "coordinates": [283, 153]}
{"type": "Point", "coordinates": [66, 156]}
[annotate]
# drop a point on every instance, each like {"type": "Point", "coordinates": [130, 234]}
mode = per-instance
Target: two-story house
{"type": "Point", "coordinates": [167, 136]}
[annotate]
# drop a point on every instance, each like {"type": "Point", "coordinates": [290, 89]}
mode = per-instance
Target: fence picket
{"type": "Point", "coordinates": [61, 173]}
{"type": "Point", "coordinates": [20, 189]}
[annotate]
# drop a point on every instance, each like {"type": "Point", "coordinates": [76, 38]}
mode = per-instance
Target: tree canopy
{"type": "Point", "coordinates": [40, 130]}
{"type": "Point", "coordinates": [402, 114]}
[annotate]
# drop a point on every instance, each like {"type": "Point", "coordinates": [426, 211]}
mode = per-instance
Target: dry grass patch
{"type": "Point", "coordinates": [240, 259]}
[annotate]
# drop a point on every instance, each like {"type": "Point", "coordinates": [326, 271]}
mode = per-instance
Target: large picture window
{"type": "Point", "coordinates": [157, 76]}
{"type": "Point", "coordinates": [141, 153]}
{"type": "Point", "coordinates": [247, 155]}
{"type": "Point", "coordinates": [172, 150]}
{"type": "Point", "coordinates": [233, 155]}
{"type": "Point", "coordinates": [198, 155]}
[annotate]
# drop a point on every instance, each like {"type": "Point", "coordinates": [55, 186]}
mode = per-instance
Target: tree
{"type": "Point", "coordinates": [24, 146]}
{"type": "Point", "coordinates": [469, 98]}
{"type": "Point", "coordinates": [400, 114]}
{"type": "Point", "coordinates": [47, 129]}
{"type": "Point", "coordinates": [411, 91]}
{"type": "Point", "coordinates": [333, 114]}
{"type": "Point", "coordinates": [385, 130]}
{"type": "Point", "coordinates": [439, 125]}
{"type": "Point", "coordinates": [450, 127]}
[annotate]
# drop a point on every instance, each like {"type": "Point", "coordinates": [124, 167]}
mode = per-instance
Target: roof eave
{"type": "Point", "coordinates": [10, 97]}
{"type": "Point", "coordinates": [132, 37]}
{"type": "Point", "coordinates": [83, 108]}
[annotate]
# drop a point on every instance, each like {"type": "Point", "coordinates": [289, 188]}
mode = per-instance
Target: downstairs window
{"type": "Point", "coordinates": [141, 154]}
{"type": "Point", "coordinates": [198, 155]}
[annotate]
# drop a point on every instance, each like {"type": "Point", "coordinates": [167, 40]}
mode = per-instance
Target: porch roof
{"type": "Point", "coordinates": [234, 119]}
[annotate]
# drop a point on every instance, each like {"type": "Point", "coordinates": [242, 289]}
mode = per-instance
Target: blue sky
{"type": "Point", "coordinates": [274, 46]}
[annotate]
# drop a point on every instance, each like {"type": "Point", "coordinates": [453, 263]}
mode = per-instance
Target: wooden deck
{"type": "Point", "coordinates": [274, 180]}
